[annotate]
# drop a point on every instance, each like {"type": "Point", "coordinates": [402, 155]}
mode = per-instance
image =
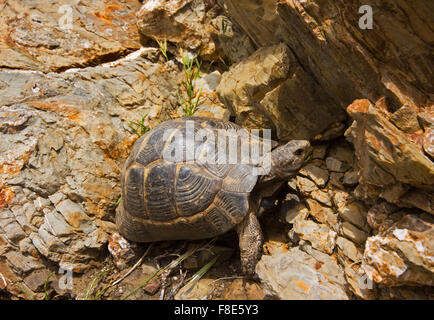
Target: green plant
{"type": "Point", "coordinates": [224, 26]}
{"type": "Point", "coordinates": [28, 295]}
{"type": "Point", "coordinates": [46, 296]}
{"type": "Point", "coordinates": [118, 201]}
{"type": "Point", "coordinates": [170, 266]}
{"type": "Point", "coordinates": [139, 128]}
{"type": "Point", "coordinates": [192, 96]}
{"type": "Point", "coordinates": [163, 47]}
{"type": "Point", "coordinates": [198, 275]}
{"type": "Point", "coordinates": [89, 290]}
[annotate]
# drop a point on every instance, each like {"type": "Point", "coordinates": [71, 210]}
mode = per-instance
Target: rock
{"type": "Point", "coordinates": [6, 196]}
{"type": "Point", "coordinates": [336, 179]}
{"type": "Point", "coordinates": [351, 178]}
{"type": "Point", "coordinates": [293, 211]}
{"type": "Point", "coordinates": [323, 214]}
{"type": "Point", "coordinates": [353, 233]}
{"type": "Point", "coordinates": [359, 283]}
{"type": "Point", "coordinates": [374, 136]}
{"type": "Point", "coordinates": [201, 290]}
{"type": "Point", "coordinates": [316, 174]}
{"type": "Point", "coordinates": [417, 198]}
{"type": "Point", "coordinates": [354, 212]}
{"type": "Point", "coordinates": [186, 23]}
{"type": "Point", "coordinates": [336, 165]}
{"type": "Point", "coordinates": [319, 236]}
{"type": "Point", "coordinates": [426, 118]}
{"type": "Point", "coordinates": [336, 130]}
{"type": "Point", "coordinates": [64, 138]}
{"type": "Point", "coordinates": [349, 249]}
{"type": "Point", "coordinates": [382, 215]}
{"type": "Point", "coordinates": [325, 36]}
{"type": "Point", "coordinates": [428, 142]}
{"type": "Point", "coordinates": [305, 186]}
{"type": "Point", "coordinates": [322, 197]}
{"type": "Point", "coordinates": [37, 279]}
{"type": "Point", "coordinates": [152, 286]}
{"type": "Point", "coordinates": [405, 118]}
{"type": "Point", "coordinates": [403, 254]}
{"type": "Point", "coordinates": [297, 275]}
{"type": "Point", "coordinates": [122, 251]}
{"type": "Point", "coordinates": [270, 90]}
{"type": "Point", "coordinates": [55, 36]}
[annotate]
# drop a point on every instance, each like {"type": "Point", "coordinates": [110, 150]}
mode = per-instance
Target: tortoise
{"type": "Point", "coordinates": [187, 198]}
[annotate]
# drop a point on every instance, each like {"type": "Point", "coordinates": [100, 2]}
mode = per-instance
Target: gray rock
{"type": "Point", "coordinates": [336, 165]}
{"type": "Point", "coordinates": [297, 275]}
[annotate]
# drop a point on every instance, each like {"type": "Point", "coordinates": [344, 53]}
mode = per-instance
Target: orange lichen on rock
{"type": "Point", "coordinates": [6, 196]}
{"type": "Point", "coordinates": [70, 111]}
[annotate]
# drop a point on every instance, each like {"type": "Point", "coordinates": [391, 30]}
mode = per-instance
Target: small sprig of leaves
{"type": "Point", "coordinates": [192, 96]}
{"type": "Point", "coordinates": [224, 26]}
{"type": "Point", "coordinates": [139, 128]}
{"type": "Point", "coordinates": [163, 47]}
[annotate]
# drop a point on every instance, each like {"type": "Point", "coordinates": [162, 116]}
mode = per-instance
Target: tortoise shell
{"type": "Point", "coordinates": [186, 198]}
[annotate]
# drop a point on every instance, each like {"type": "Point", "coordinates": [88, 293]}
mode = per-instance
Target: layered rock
{"type": "Point", "coordinates": [55, 36]}
{"type": "Point", "coordinates": [349, 62]}
{"type": "Point", "coordinates": [64, 138]}
{"type": "Point", "coordinates": [271, 90]}
{"type": "Point", "coordinates": [196, 26]}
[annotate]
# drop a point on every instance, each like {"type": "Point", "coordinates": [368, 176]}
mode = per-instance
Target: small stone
{"type": "Point", "coordinates": [322, 197]}
{"type": "Point", "coordinates": [355, 213]}
{"type": "Point", "coordinates": [359, 283]}
{"type": "Point", "coordinates": [41, 203]}
{"type": "Point", "coordinates": [320, 237]}
{"type": "Point", "coordinates": [353, 233]}
{"type": "Point", "coordinates": [22, 263]}
{"type": "Point", "coordinates": [36, 280]}
{"type": "Point", "coordinates": [323, 214]}
{"type": "Point", "coordinates": [152, 286]}
{"type": "Point", "coordinates": [74, 215]}
{"type": "Point", "coordinates": [305, 185]}
{"type": "Point", "coordinates": [121, 250]}
{"type": "Point", "coordinates": [349, 249]}
{"type": "Point", "coordinates": [240, 289]}
{"type": "Point", "coordinates": [57, 197]}
{"type": "Point", "coordinates": [426, 118]}
{"type": "Point", "coordinates": [351, 178]}
{"type": "Point", "coordinates": [336, 180]}
{"type": "Point", "coordinates": [405, 118]}
{"type": "Point", "coordinates": [57, 225]}
{"type": "Point", "coordinates": [316, 174]}
{"type": "Point", "coordinates": [336, 165]}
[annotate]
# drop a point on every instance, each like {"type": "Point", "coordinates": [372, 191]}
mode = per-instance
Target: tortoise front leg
{"type": "Point", "coordinates": [250, 237]}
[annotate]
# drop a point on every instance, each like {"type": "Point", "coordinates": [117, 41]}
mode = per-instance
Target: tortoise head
{"type": "Point", "coordinates": [287, 159]}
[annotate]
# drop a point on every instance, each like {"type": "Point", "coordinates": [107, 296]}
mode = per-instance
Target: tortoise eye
{"type": "Point", "coordinates": [298, 152]}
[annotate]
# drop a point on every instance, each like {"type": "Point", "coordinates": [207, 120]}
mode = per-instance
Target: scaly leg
{"type": "Point", "coordinates": [250, 237]}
